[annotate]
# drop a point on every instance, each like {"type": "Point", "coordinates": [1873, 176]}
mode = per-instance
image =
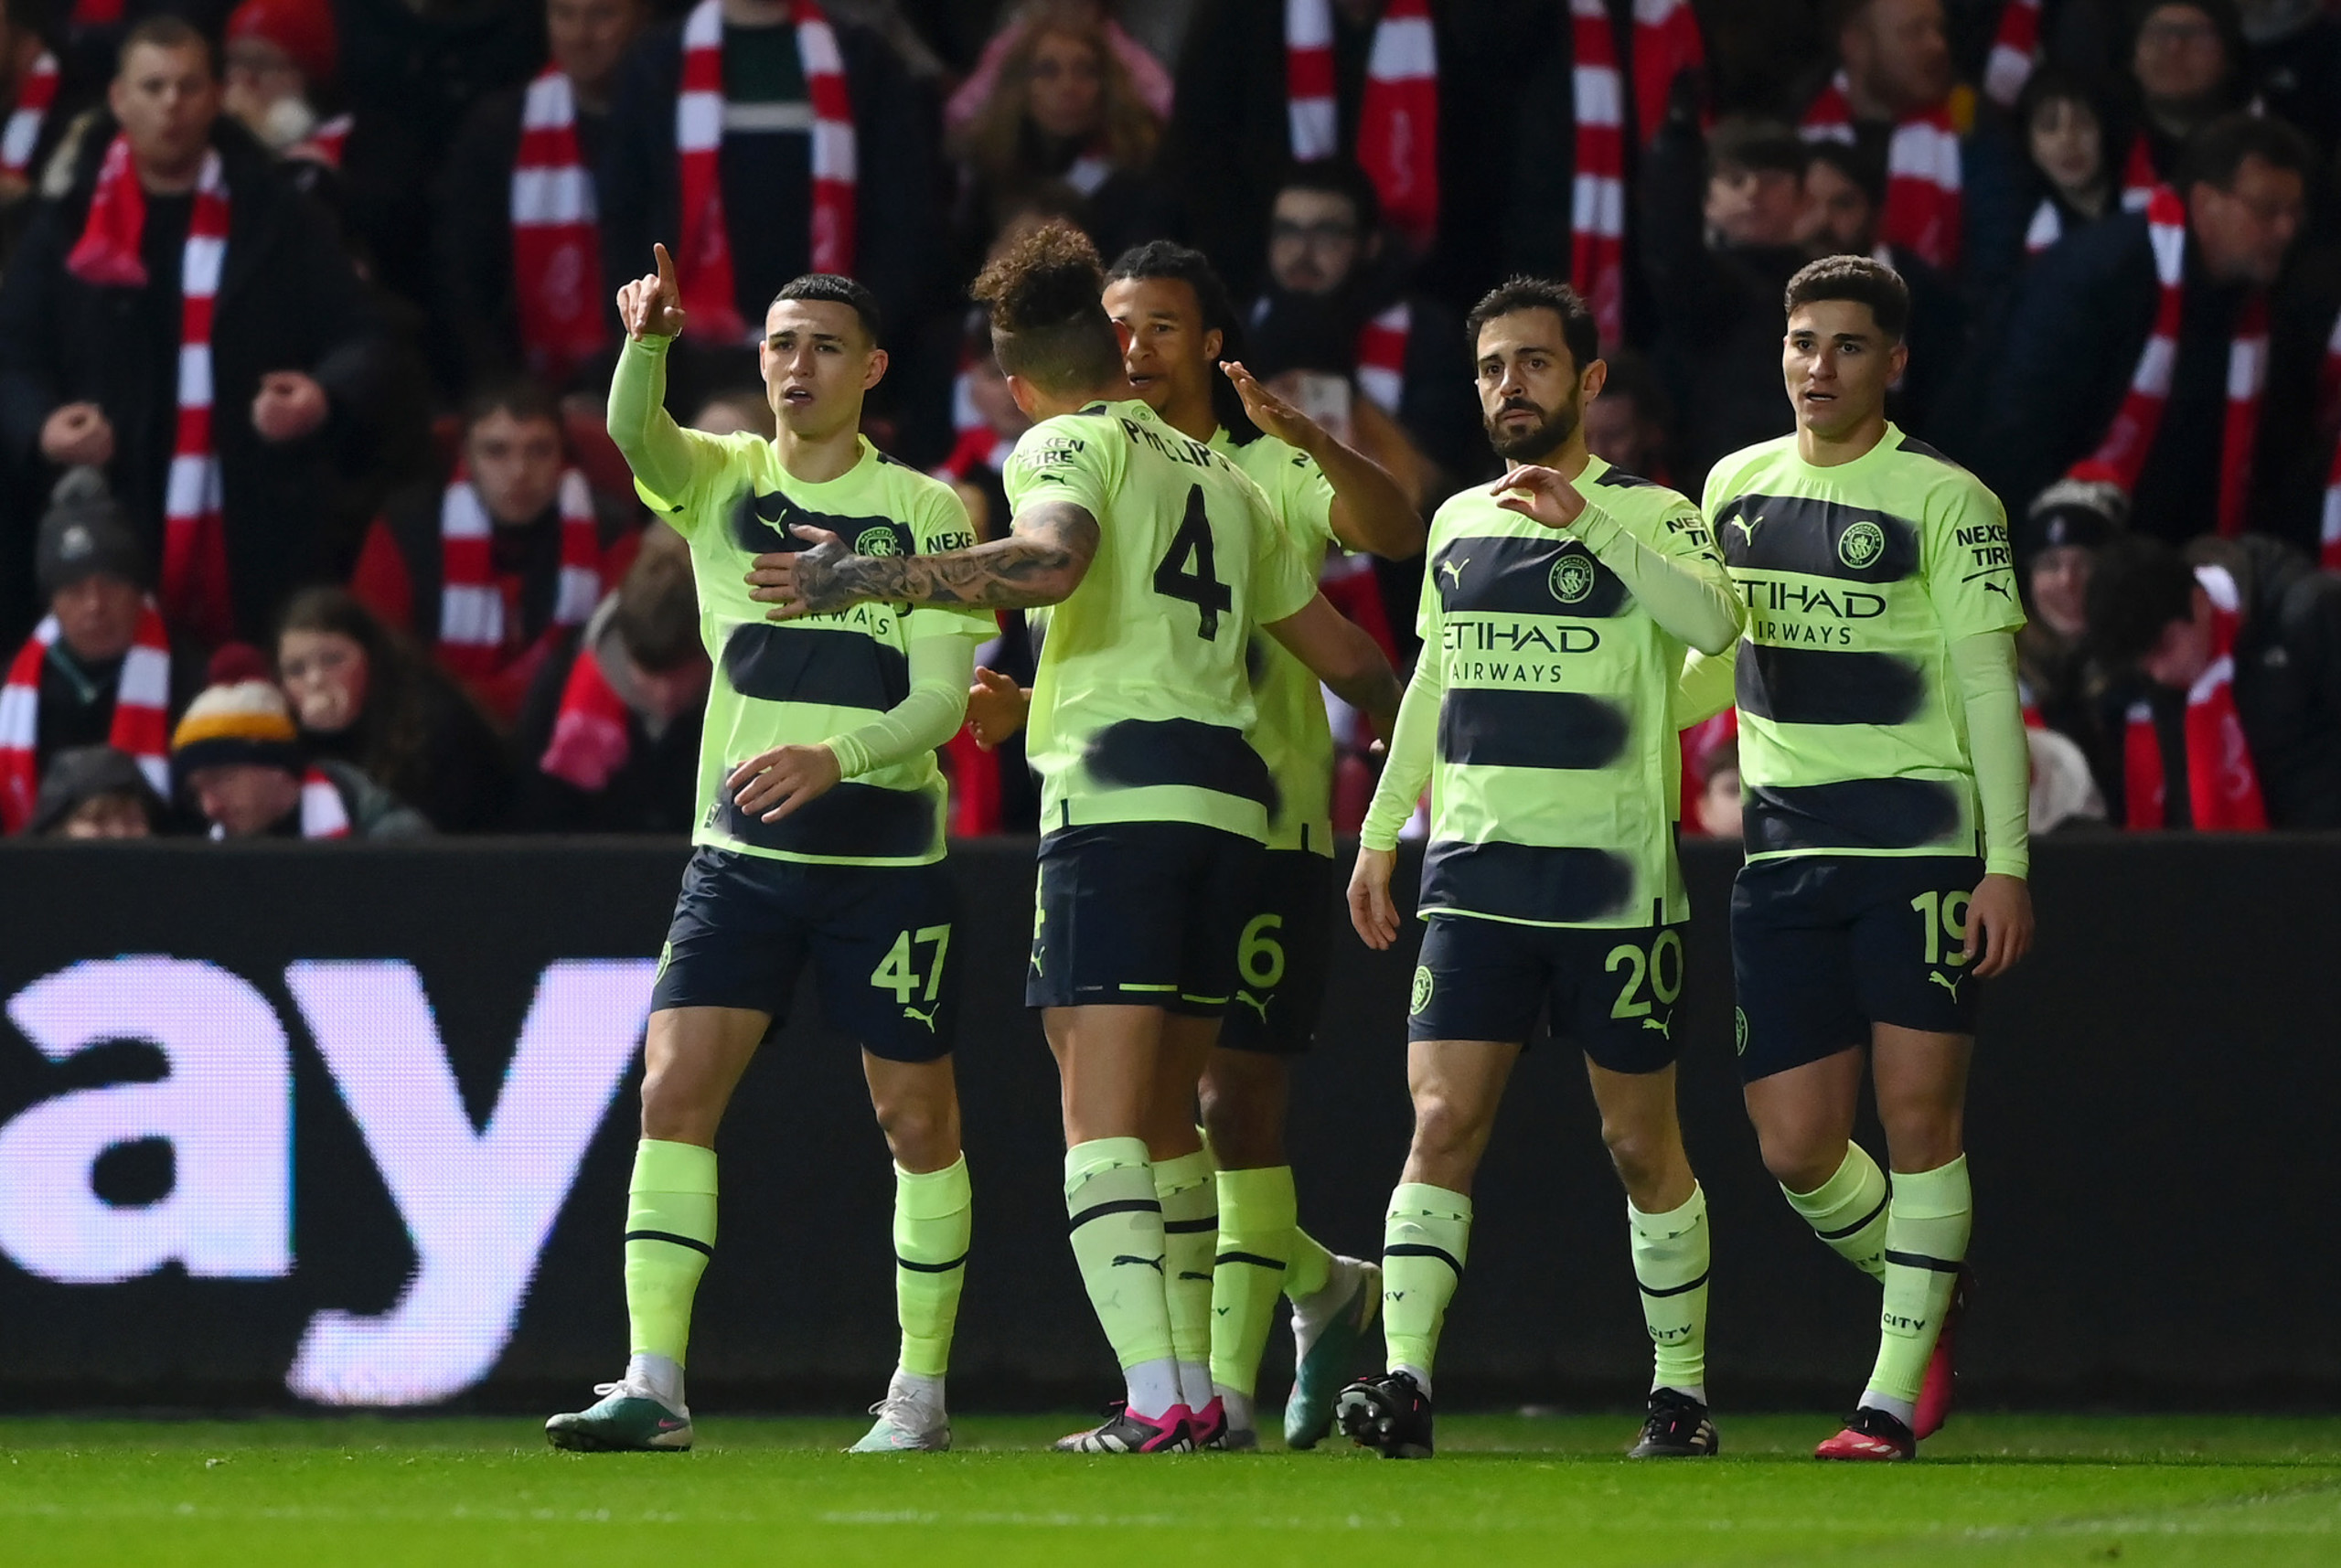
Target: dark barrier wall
{"type": "Point", "coordinates": [353, 1125]}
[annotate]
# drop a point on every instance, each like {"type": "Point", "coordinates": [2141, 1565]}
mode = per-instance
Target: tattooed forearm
{"type": "Point", "coordinates": [1042, 563]}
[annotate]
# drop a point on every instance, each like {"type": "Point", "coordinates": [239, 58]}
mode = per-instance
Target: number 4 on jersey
{"type": "Point", "coordinates": [1190, 570]}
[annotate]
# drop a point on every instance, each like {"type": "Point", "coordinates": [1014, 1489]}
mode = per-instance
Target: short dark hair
{"type": "Point", "coordinates": [1341, 178]}
{"type": "Point", "coordinates": [1048, 324]}
{"type": "Point", "coordinates": [2053, 84]}
{"type": "Point", "coordinates": [832, 289]}
{"type": "Point", "coordinates": [1742, 142]}
{"type": "Point", "coordinates": [2138, 586]}
{"type": "Point", "coordinates": [166, 32]}
{"type": "Point", "coordinates": [1521, 293]}
{"type": "Point", "coordinates": [1864, 280]}
{"type": "Point", "coordinates": [1848, 159]}
{"type": "Point", "coordinates": [527, 401]}
{"type": "Point", "coordinates": [657, 615]}
{"type": "Point", "coordinates": [2214, 155]}
{"type": "Point", "coordinates": [1167, 261]}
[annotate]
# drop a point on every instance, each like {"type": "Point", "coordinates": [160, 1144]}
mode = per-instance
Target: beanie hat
{"type": "Point", "coordinates": [2082, 512]}
{"type": "Point", "coordinates": [302, 28]}
{"type": "Point", "coordinates": [236, 720]}
{"type": "Point", "coordinates": [85, 533]}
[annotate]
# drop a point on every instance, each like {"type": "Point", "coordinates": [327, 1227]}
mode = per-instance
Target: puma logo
{"type": "Point", "coordinates": [1154, 1264]}
{"type": "Point", "coordinates": [1454, 570]}
{"type": "Point", "coordinates": [1747, 527]}
{"type": "Point", "coordinates": [1256, 1004]}
{"type": "Point", "coordinates": [1665, 1026]}
{"type": "Point", "coordinates": [1998, 588]}
{"type": "Point", "coordinates": [1948, 984]}
{"type": "Point", "coordinates": [926, 1017]}
{"type": "Point", "coordinates": [1221, 1311]}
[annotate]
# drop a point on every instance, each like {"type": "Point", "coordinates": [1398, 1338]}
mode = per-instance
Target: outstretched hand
{"type": "Point", "coordinates": [652, 305]}
{"type": "Point", "coordinates": [1270, 411]}
{"type": "Point", "coordinates": [1541, 494]}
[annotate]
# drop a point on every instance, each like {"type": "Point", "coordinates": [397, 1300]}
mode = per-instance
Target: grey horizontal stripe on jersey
{"type": "Point", "coordinates": [1805, 534]}
{"type": "Point", "coordinates": [1522, 881]}
{"type": "Point", "coordinates": [1827, 685]}
{"type": "Point", "coordinates": [765, 119]}
{"type": "Point", "coordinates": [1857, 814]}
{"type": "Point", "coordinates": [1501, 728]}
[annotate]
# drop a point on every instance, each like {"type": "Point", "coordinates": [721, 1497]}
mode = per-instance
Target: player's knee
{"type": "Point", "coordinates": [1642, 1156]}
{"type": "Point", "coordinates": [1444, 1131]}
{"type": "Point", "coordinates": [1798, 1160]}
{"type": "Point", "coordinates": [922, 1136]}
{"type": "Point", "coordinates": [678, 1106]}
{"type": "Point", "coordinates": [1245, 1132]}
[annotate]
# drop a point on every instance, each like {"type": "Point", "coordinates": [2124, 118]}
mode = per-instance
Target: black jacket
{"type": "Point", "coordinates": [2058, 370]}
{"type": "Point", "coordinates": [447, 761]}
{"type": "Point", "coordinates": [77, 700]}
{"type": "Point", "coordinates": [2287, 688]}
{"type": "Point", "coordinates": [289, 300]}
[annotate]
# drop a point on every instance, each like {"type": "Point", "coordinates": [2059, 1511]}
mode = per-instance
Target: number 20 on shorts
{"type": "Point", "coordinates": [1660, 969]}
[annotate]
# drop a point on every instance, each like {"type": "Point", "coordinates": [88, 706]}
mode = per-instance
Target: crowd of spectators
{"type": "Point", "coordinates": [309, 527]}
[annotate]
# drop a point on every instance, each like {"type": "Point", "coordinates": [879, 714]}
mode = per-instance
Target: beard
{"type": "Point", "coordinates": [1555, 426]}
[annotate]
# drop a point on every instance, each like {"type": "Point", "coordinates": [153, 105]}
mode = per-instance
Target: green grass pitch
{"type": "Point", "coordinates": [2258, 1491]}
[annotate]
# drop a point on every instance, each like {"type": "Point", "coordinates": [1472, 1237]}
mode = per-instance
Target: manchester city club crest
{"type": "Point", "coordinates": [1421, 997]}
{"type": "Point", "coordinates": [1572, 577]}
{"type": "Point", "coordinates": [1739, 1029]}
{"type": "Point", "coordinates": [1861, 544]}
{"type": "Point", "coordinates": [876, 541]}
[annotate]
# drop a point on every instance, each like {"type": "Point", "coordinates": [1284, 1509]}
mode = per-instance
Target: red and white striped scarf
{"type": "Point", "coordinates": [2121, 456]}
{"type": "Point", "coordinates": [323, 815]}
{"type": "Point", "coordinates": [705, 258]}
{"type": "Point", "coordinates": [22, 134]}
{"type": "Point", "coordinates": [592, 737]}
{"type": "Point", "coordinates": [195, 553]}
{"type": "Point", "coordinates": [1397, 121]}
{"type": "Point", "coordinates": [2329, 529]}
{"type": "Point", "coordinates": [2222, 786]}
{"type": "Point", "coordinates": [328, 142]}
{"type": "Point", "coordinates": [1382, 357]}
{"type": "Point", "coordinates": [1597, 191]}
{"type": "Point", "coordinates": [1922, 200]}
{"type": "Point", "coordinates": [2016, 50]}
{"type": "Point", "coordinates": [556, 244]}
{"type": "Point", "coordinates": [142, 696]}
{"type": "Point", "coordinates": [472, 619]}
{"type": "Point", "coordinates": [1666, 43]}
{"type": "Point", "coordinates": [2138, 183]}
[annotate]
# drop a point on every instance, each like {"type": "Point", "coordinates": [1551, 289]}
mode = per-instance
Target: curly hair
{"type": "Point", "coordinates": [1002, 145]}
{"type": "Point", "coordinates": [1047, 323]}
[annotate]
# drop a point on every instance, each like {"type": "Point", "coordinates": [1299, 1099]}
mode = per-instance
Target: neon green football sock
{"type": "Point", "coordinates": [1424, 1239]}
{"type": "Point", "coordinates": [1670, 1266]}
{"type": "Point", "coordinates": [1189, 1242]}
{"type": "Point", "coordinates": [1848, 1211]}
{"type": "Point", "coordinates": [1116, 1223]}
{"type": "Point", "coordinates": [1257, 1208]}
{"type": "Point", "coordinates": [1309, 1268]}
{"type": "Point", "coordinates": [670, 1236]}
{"type": "Point", "coordinates": [931, 1226]}
{"type": "Point", "coordinates": [1926, 1241]}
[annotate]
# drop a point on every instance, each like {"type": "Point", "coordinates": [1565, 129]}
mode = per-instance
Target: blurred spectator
{"type": "Point", "coordinates": [2064, 793]}
{"type": "Point", "coordinates": [1397, 87]}
{"type": "Point", "coordinates": [1337, 334]}
{"type": "Point", "coordinates": [513, 546]}
{"type": "Point", "coordinates": [32, 117]}
{"type": "Point", "coordinates": [2057, 546]}
{"type": "Point", "coordinates": [977, 463]}
{"type": "Point", "coordinates": [1064, 110]}
{"type": "Point", "coordinates": [2186, 64]}
{"type": "Point", "coordinates": [1719, 793]}
{"type": "Point", "coordinates": [1147, 78]}
{"type": "Point", "coordinates": [1892, 97]}
{"type": "Point", "coordinates": [805, 146]}
{"type": "Point", "coordinates": [729, 413]}
{"type": "Point", "coordinates": [1843, 194]}
{"type": "Point", "coordinates": [97, 792]}
{"type": "Point", "coordinates": [238, 755]}
{"type": "Point", "coordinates": [518, 257]}
{"type": "Point", "coordinates": [610, 735]}
{"type": "Point", "coordinates": [1720, 219]}
{"type": "Point", "coordinates": [360, 694]}
{"type": "Point", "coordinates": [2065, 142]}
{"type": "Point", "coordinates": [282, 60]}
{"type": "Point", "coordinates": [2293, 60]}
{"type": "Point", "coordinates": [100, 669]}
{"type": "Point", "coordinates": [1626, 425]}
{"type": "Point", "coordinates": [2237, 648]}
{"type": "Point", "coordinates": [217, 390]}
{"type": "Point", "coordinates": [2138, 347]}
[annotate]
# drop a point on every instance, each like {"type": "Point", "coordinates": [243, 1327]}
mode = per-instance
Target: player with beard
{"type": "Point", "coordinates": [1555, 620]}
{"type": "Point", "coordinates": [1886, 778]}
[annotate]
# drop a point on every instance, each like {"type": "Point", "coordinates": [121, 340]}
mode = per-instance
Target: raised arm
{"type": "Point", "coordinates": [1371, 512]}
{"type": "Point", "coordinates": [654, 446]}
{"type": "Point", "coordinates": [1041, 561]}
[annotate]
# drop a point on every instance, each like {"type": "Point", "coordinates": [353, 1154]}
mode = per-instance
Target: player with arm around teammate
{"type": "Point", "coordinates": [1885, 779]}
{"type": "Point", "coordinates": [1556, 619]}
{"type": "Point", "coordinates": [1160, 556]}
{"type": "Point", "coordinates": [819, 836]}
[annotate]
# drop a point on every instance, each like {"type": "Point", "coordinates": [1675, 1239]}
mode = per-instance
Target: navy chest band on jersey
{"type": "Point", "coordinates": [852, 822]}
{"type": "Point", "coordinates": [1857, 814]}
{"type": "Point", "coordinates": [1523, 881]}
{"type": "Point", "coordinates": [1827, 685]}
{"type": "Point", "coordinates": [1497, 726]}
{"type": "Point", "coordinates": [1505, 575]}
{"type": "Point", "coordinates": [1815, 538]}
{"type": "Point", "coordinates": [816, 665]}
{"type": "Point", "coordinates": [1136, 753]}
{"type": "Point", "coordinates": [761, 521]}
